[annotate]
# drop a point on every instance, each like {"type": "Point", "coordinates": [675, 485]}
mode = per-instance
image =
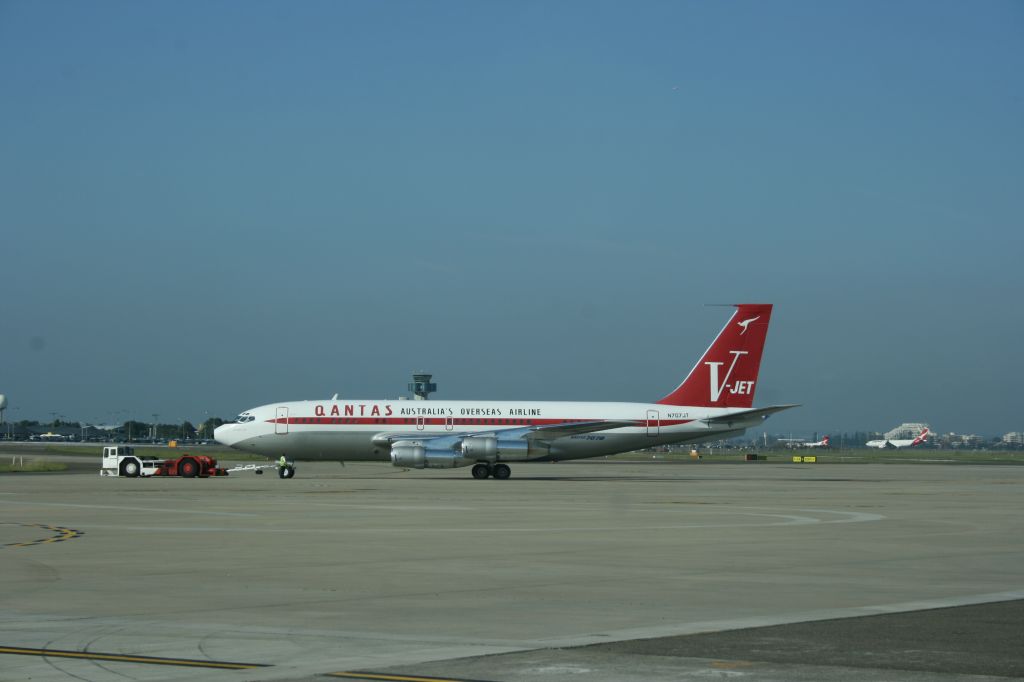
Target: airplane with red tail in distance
{"type": "Point", "coordinates": [902, 443]}
{"type": "Point", "coordinates": [823, 443]}
{"type": "Point", "coordinates": [714, 401]}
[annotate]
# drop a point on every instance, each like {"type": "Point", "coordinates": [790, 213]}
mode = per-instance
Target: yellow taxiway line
{"type": "Point", "coordinates": [126, 658]}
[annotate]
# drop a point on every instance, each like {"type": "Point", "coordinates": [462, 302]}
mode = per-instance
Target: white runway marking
{"type": "Point", "coordinates": [772, 520]}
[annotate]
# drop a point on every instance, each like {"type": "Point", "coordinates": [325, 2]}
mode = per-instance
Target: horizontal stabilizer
{"type": "Point", "coordinates": [746, 415]}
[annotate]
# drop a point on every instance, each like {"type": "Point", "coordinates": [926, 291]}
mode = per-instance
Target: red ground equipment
{"type": "Point", "coordinates": [121, 460]}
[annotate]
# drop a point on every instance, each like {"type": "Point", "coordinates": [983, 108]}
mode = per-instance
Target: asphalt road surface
{"type": "Point", "coordinates": [584, 571]}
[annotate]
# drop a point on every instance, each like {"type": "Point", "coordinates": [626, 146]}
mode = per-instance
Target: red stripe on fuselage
{"type": "Point", "coordinates": [444, 421]}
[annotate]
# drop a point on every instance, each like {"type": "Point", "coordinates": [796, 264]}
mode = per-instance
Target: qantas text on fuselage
{"type": "Point", "coordinates": [714, 401]}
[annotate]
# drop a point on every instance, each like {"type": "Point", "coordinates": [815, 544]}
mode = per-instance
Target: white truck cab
{"type": "Point", "coordinates": [121, 460]}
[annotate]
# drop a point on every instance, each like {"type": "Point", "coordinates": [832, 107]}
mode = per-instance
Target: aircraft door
{"type": "Point", "coordinates": [281, 421]}
{"type": "Point", "coordinates": [653, 423]}
{"type": "Point", "coordinates": [449, 423]}
{"type": "Point", "coordinates": [419, 423]}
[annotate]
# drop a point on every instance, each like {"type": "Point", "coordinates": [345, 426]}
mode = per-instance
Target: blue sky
{"type": "Point", "coordinates": [206, 206]}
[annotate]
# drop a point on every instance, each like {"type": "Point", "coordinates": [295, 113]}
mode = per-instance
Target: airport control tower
{"type": "Point", "coordinates": [421, 386]}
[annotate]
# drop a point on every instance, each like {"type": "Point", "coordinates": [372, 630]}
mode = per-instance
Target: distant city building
{"type": "Point", "coordinates": [963, 440]}
{"type": "Point", "coordinates": [906, 430]}
{"type": "Point", "coordinates": [1014, 438]}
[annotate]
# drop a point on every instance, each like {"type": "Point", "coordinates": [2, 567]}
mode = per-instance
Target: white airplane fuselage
{"type": "Point", "coordinates": [361, 430]}
{"type": "Point", "coordinates": [900, 443]}
{"type": "Point", "coordinates": [884, 444]}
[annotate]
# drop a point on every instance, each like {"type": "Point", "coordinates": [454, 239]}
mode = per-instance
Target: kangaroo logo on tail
{"type": "Point", "coordinates": [745, 323]}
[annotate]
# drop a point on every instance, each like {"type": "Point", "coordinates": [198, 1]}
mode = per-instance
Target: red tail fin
{"type": "Point", "coordinates": [921, 438]}
{"type": "Point", "coordinates": [727, 373]}
{"type": "Point", "coordinates": [825, 441]}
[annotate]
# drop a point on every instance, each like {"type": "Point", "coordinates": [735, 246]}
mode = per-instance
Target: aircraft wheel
{"type": "Point", "coordinates": [130, 468]}
{"type": "Point", "coordinates": [481, 471]}
{"type": "Point", "coordinates": [286, 472]}
{"type": "Point", "coordinates": [501, 471]}
{"type": "Point", "coordinates": [187, 468]}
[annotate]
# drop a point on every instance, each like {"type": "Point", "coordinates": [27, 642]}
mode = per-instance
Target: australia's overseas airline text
{"type": "Point", "coordinates": [386, 410]}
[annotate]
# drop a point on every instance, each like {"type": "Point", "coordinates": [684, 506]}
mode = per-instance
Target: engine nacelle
{"type": "Point", "coordinates": [480, 447]}
{"type": "Point", "coordinates": [492, 449]}
{"type": "Point", "coordinates": [414, 455]}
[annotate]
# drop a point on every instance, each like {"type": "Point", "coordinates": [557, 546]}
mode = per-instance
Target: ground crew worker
{"type": "Point", "coordinates": [282, 462]}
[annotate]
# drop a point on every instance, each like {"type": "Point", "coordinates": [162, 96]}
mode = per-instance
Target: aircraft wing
{"type": "Point", "coordinates": [554, 431]}
{"type": "Point", "coordinates": [538, 433]}
{"type": "Point", "coordinates": [746, 415]}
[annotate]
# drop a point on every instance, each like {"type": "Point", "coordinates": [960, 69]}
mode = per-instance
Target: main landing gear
{"type": "Point", "coordinates": [499, 471]}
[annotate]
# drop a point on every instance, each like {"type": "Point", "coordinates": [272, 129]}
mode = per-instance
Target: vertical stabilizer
{"type": "Point", "coordinates": [726, 376]}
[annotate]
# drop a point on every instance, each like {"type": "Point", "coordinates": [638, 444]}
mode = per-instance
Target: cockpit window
{"type": "Point", "coordinates": [244, 417]}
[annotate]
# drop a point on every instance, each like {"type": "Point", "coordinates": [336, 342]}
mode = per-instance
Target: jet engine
{"type": "Point", "coordinates": [413, 454]}
{"type": "Point", "coordinates": [492, 449]}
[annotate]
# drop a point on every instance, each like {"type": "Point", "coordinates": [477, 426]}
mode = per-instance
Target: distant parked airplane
{"type": "Point", "coordinates": [887, 443]}
{"type": "Point", "coordinates": [823, 443]}
{"type": "Point", "coordinates": [714, 401]}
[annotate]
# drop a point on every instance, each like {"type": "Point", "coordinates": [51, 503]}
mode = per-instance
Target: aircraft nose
{"type": "Point", "coordinates": [223, 434]}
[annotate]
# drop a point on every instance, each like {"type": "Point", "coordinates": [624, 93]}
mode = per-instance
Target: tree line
{"type": "Point", "coordinates": [137, 430]}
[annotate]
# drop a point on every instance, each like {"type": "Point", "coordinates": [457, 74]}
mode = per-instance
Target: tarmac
{"type": "Point", "coordinates": [590, 571]}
